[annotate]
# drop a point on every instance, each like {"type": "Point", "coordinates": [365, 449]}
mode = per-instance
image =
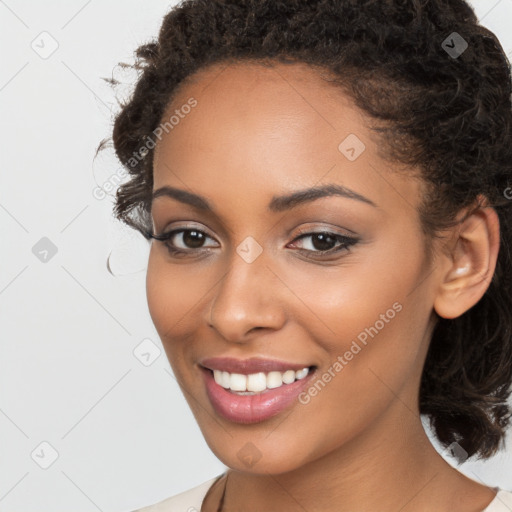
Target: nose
{"type": "Point", "coordinates": [249, 297]}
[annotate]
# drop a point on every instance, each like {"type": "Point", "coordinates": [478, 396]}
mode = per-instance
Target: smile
{"type": "Point", "coordinates": [257, 382]}
{"type": "Point", "coordinates": [253, 390]}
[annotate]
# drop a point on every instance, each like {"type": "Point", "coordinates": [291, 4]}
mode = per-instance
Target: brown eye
{"type": "Point", "coordinates": [191, 238]}
{"type": "Point", "coordinates": [325, 242]}
{"type": "Point", "coordinates": [183, 241]}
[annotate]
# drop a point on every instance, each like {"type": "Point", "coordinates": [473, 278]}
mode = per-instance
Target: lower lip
{"type": "Point", "coordinates": [253, 408]}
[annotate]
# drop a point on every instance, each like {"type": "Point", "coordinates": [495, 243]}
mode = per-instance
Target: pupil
{"type": "Point", "coordinates": [324, 239]}
{"type": "Point", "coordinates": [193, 239]}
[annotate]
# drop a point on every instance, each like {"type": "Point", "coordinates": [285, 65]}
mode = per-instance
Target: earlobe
{"type": "Point", "coordinates": [473, 261]}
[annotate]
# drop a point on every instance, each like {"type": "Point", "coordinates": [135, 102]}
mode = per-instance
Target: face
{"type": "Point", "coordinates": [265, 284]}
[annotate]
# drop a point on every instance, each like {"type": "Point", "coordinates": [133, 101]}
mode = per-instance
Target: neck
{"type": "Point", "coordinates": [387, 467]}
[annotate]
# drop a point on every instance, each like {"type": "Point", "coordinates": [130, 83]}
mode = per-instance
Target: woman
{"type": "Point", "coordinates": [327, 184]}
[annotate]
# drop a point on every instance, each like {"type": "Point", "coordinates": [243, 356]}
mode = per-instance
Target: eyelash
{"type": "Point", "coordinates": [346, 242]}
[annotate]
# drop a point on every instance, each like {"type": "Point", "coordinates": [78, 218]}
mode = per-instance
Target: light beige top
{"type": "Point", "coordinates": [191, 500]}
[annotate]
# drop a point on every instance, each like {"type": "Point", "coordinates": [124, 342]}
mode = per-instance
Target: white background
{"type": "Point", "coordinates": [68, 374]}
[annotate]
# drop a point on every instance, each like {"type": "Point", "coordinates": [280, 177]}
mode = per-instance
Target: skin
{"type": "Point", "coordinates": [359, 444]}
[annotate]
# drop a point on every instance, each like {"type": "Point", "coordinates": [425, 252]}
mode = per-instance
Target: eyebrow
{"type": "Point", "coordinates": [277, 203]}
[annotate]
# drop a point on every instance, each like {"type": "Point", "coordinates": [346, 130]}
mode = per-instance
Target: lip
{"type": "Point", "coordinates": [247, 409]}
{"type": "Point", "coordinates": [251, 365]}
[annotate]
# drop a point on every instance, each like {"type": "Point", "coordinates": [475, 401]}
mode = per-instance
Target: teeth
{"type": "Point", "coordinates": [238, 382]}
{"type": "Point", "coordinates": [257, 382]}
{"type": "Point", "coordinates": [301, 373]}
{"type": "Point", "coordinates": [275, 379]}
{"type": "Point", "coordinates": [225, 380]}
{"type": "Point", "coordinates": [289, 376]}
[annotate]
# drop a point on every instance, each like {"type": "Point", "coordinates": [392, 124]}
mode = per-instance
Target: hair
{"type": "Point", "coordinates": [448, 116]}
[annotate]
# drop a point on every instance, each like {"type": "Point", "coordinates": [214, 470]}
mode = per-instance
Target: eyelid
{"type": "Point", "coordinates": [346, 240]}
{"type": "Point", "coordinates": [186, 226]}
{"type": "Point", "coordinates": [169, 234]}
{"type": "Point", "coordinates": [308, 230]}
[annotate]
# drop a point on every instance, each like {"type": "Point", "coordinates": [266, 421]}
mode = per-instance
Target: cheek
{"type": "Point", "coordinates": [369, 318]}
{"type": "Point", "coordinates": [359, 296]}
{"type": "Point", "coordinates": [175, 298]}
{"type": "Point", "coordinates": [370, 338]}
{"type": "Point", "coordinates": [158, 292]}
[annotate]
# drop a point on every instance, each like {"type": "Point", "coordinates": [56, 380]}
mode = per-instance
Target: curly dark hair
{"type": "Point", "coordinates": [448, 115]}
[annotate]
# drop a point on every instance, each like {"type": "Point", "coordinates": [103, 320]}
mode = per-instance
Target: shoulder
{"type": "Point", "coordinates": [187, 501]}
{"type": "Point", "coordinates": [501, 503]}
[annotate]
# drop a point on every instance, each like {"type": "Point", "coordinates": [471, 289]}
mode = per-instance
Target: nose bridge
{"type": "Point", "coordinates": [246, 297]}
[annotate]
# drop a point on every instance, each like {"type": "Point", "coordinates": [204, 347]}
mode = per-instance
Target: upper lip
{"type": "Point", "coordinates": [251, 365]}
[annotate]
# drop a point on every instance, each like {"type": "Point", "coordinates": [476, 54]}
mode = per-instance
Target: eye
{"type": "Point", "coordinates": [324, 242]}
{"type": "Point", "coordinates": [188, 241]}
{"type": "Point", "coordinates": [182, 241]}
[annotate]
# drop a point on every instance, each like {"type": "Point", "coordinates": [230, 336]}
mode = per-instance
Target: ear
{"type": "Point", "coordinates": [469, 263]}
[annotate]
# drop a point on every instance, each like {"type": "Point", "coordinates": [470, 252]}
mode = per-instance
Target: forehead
{"type": "Point", "coordinates": [249, 75]}
{"type": "Point", "coordinates": [263, 128]}
{"type": "Point", "coordinates": [269, 108]}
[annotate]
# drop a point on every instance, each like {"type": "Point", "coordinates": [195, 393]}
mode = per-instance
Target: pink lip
{"type": "Point", "coordinates": [251, 365]}
{"type": "Point", "coordinates": [253, 408]}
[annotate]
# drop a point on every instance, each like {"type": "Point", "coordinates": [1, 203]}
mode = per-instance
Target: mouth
{"type": "Point", "coordinates": [240, 394]}
{"type": "Point", "coordinates": [260, 382]}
